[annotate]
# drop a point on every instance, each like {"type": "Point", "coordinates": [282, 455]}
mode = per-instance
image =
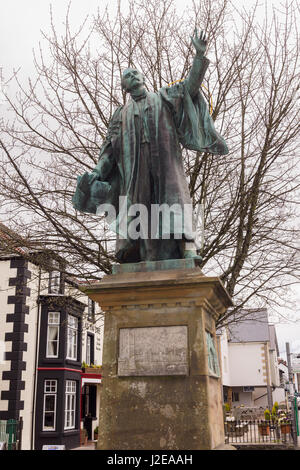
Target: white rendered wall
{"type": "Point", "coordinates": [274, 369]}
{"type": "Point", "coordinates": [29, 356]}
{"type": "Point", "coordinates": [5, 290]}
{"type": "Point", "coordinates": [279, 395]}
{"type": "Point", "coordinates": [224, 355]}
{"type": "Point", "coordinates": [245, 398]}
{"type": "Point", "coordinates": [247, 364]}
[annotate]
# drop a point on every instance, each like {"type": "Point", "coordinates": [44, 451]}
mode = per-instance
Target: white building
{"type": "Point", "coordinates": [249, 362]}
{"type": "Point", "coordinates": [47, 329]}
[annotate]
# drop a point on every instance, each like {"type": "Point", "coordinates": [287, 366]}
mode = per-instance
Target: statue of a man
{"type": "Point", "coordinates": [142, 160]}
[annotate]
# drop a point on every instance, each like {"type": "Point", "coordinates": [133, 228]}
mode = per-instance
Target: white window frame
{"type": "Point", "coordinates": [52, 324]}
{"type": "Point", "coordinates": [54, 278]}
{"type": "Point", "coordinates": [70, 338]}
{"type": "Point", "coordinates": [52, 392]}
{"type": "Point", "coordinates": [70, 404]}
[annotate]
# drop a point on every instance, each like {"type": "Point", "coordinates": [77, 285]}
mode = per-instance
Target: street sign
{"type": "Point", "coordinates": [295, 360]}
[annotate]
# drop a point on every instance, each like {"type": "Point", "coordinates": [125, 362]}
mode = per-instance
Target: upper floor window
{"type": "Point", "coordinates": [55, 278]}
{"type": "Point", "coordinates": [49, 409]}
{"type": "Point", "coordinates": [53, 334]}
{"type": "Point", "coordinates": [72, 336]}
{"type": "Point", "coordinates": [70, 404]}
{"type": "Point", "coordinates": [91, 310]}
{"type": "Point", "coordinates": [89, 349]}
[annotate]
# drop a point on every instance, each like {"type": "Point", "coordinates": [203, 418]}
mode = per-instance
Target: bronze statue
{"type": "Point", "coordinates": [141, 159]}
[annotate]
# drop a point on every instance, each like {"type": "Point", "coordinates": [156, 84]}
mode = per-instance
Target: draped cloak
{"type": "Point", "coordinates": [163, 122]}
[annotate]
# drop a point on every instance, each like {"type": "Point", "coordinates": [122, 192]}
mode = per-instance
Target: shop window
{"type": "Point", "coordinates": [53, 334]}
{"type": "Point", "coordinates": [49, 409]}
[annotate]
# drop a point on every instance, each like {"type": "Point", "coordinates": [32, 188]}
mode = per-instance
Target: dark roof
{"type": "Point", "coordinates": [254, 327]}
{"type": "Point", "coordinates": [12, 244]}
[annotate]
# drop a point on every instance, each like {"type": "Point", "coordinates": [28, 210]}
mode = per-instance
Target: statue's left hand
{"type": "Point", "coordinates": [200, 42]}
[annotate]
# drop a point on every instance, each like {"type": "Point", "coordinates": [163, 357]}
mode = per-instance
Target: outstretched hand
{"type": "Point", "coordinates": [199, 42]}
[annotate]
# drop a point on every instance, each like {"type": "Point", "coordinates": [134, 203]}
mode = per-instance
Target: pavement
{"type": "Point", "coordinates": [91, 445]}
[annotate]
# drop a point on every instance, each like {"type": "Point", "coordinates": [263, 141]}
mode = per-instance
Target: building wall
{"type": "Point", "coordinates": [21, 283]}
{"type": "Point", "coordinates": [16, 327]}
{"type": "Point", "coordinates": [260, 397]}
{"type": "Point", "coordinates": [6, 346]}
{"type": "Point", "coordinates": [96, 328]}
{"type": "Point", "coordinates": [224, 357]}
{"type": "Point", "coordinates": [58, 368]}
{"type": "Point", "coordinates": [97, 331]}
{"type": "Point", "coordinates": [30, 338]}
{"type": "Point", "coordinates": [247, 364]}
{"type": "Point", "coordinates": [245, 398]}
{"type": "Point", "coordinates": [279, 395]}
{"type": "Point", "coordinates": [274, 370]}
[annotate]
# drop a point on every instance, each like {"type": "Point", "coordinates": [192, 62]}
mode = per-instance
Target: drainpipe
{"type": "Point", "coordinates": [36, 362]}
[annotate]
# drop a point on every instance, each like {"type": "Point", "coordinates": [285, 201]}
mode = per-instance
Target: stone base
{"type": "Point", "coordinates": [163, 265]}
{"type": "Point", "coordinates": [158, 389]}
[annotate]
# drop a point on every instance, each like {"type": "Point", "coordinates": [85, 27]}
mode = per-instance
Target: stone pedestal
{"type": "Point", "coordinates": [161, 383]}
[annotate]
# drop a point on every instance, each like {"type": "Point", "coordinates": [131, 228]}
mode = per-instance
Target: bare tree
{"type": "Point", "coordinates": [59, 121]}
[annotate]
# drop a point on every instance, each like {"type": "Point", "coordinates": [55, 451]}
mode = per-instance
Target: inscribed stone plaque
{"type": "Point", "coordinates": [155, 350]}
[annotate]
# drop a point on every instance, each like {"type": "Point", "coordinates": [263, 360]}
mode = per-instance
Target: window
{"type": "Point", "coordinates": [91, 310]}
{"type": "Point", "coordinates": [72, 337]}
{"type": "Point", "coordinates": [235, 396]}
{"type": "Point", "coordinates": [70, 405]}
{"type": "Point", "coordinates": [49, 410]}
{"type": "Point", "coordinates": [53, 334]}
{"type": "Point", "coordinates": [90, 349]}
{"type": "Point", "coordinates": [54, 282]}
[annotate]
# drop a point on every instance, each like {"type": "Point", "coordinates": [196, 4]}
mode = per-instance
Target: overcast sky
{"type": "Point", "coordinates": [20, 24]}
{"type": "Point", "coordinates": [22, 20]}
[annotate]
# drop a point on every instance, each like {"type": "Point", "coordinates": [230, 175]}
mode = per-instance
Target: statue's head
{"type": "Point", "coordinates": [132, 79]}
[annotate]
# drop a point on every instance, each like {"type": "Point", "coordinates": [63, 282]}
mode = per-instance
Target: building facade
{"type": "Point", "coordinates": [249, 362]}
{"type": "Point", "coordinates": [47, 330]}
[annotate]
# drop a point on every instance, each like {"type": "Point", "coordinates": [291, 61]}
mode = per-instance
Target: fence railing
{"type": "Point", "coordinates": [258, 431]}
{"type": "Point", "coordinates": [11, 432]}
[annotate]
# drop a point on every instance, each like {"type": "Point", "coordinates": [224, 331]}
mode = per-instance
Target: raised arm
{"type": "Point", "coordinates": [200, 64]}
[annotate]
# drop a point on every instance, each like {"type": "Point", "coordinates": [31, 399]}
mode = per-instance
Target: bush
{"type": "Point", "coordinates": [275, 410]}
{"type": "Point", "coordinates": [227, 407]}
